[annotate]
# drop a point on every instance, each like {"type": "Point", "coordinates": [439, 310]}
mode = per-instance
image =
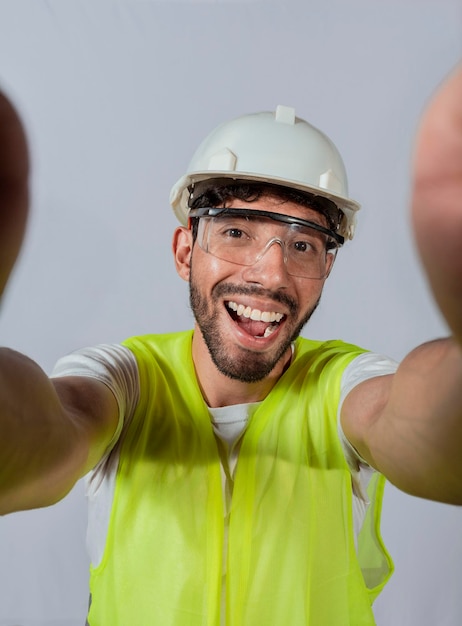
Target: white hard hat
{"type": "Point", "coordinates": [278, 148]}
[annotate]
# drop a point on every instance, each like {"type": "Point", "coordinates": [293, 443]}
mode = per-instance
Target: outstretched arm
{"type": "Point", "coordinates": [51, 432]}
{"type": "Point", "coordinates": [409, 426]}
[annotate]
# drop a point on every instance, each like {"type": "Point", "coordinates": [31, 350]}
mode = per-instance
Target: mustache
{"type": "Point", "coordinates": [223, 290]}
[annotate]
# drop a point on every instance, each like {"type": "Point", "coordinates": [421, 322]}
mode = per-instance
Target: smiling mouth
{"type": "Point", "coordinates": [257, 323]}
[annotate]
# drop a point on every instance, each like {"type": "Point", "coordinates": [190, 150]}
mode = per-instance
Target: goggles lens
{"type": "Point", "coordinates": [243, 236]}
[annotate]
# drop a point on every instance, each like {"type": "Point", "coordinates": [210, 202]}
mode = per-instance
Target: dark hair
{"type": "Point", "coordinates": [217, 192]}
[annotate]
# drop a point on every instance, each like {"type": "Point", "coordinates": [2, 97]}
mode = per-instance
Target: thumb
{"type": "Point", "coordinates": [437, 197]}
{"type": "Point", "coordinates": [14, 170]}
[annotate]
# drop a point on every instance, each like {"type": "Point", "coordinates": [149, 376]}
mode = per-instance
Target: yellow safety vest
{"type": "Point", "coordinates": [291, 557]}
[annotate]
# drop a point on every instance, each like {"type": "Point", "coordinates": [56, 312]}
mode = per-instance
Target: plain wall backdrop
{"type": "Point", "coordinates": [115, 96]}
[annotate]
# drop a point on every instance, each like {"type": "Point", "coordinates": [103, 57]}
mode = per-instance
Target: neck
{"type": "Point", "coordinates": [220, 390]}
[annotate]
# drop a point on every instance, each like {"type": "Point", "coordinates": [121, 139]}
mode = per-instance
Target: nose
{"type": "Point", "coordinates": [269, 269]}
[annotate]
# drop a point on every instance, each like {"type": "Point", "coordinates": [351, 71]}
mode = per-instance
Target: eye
{"type": "Point", "coordinates": [303, 246]}
{"type": "Point", "coordinates": [233, 233]}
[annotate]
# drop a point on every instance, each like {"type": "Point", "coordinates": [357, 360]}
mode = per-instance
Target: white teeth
{"type": "Point", "coordinates": [268, 331]}
{"type": "Point", "coordinates": [255, 314]}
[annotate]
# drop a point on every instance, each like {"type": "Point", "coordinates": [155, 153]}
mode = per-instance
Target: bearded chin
{"type": "Point", "coordinates": [249, 367]}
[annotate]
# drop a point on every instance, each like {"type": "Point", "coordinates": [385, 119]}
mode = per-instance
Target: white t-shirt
{"type": "Point", "coordinates": [116, 366]}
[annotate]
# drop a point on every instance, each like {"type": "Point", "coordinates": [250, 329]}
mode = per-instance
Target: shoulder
{"type": "Point", "coordinates": [158, 343]}
{"type": "Point", "coordinates": [114, 365]}
{"type": "Point", "coordinates": [326, 360]}
{"type": "Point", "coordinates": [366, 366]}
{"type": "Point", "coordinates": [96, 361]}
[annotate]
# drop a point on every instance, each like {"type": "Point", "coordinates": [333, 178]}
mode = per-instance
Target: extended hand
{"type": "Point", "coordinates": [437, 198]}
{"type": "Point", "coordinates": [13, 187]}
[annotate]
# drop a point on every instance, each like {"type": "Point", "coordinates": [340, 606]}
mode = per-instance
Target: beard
{"type": "Point", "coordinates": [250, 366]}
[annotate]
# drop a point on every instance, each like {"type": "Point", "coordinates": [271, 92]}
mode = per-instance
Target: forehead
{"type": "Point", "coordinates": [276, 205]}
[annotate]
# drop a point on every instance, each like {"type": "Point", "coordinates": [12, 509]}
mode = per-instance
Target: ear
{"type": "Point", "coordinates": [182, 249]}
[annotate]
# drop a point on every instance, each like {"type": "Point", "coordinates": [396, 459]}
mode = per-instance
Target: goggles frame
{"type": "Point", "coordinates": [332, 245]}
{"type": "Point", "coordinates": [277, 217]}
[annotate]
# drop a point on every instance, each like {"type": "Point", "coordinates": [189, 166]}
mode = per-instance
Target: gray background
{"type": "Point", "coordinates": [115, 96]}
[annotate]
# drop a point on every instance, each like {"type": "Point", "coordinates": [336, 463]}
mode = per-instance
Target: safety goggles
{"type": "Point", "coordinates": [243, 236]}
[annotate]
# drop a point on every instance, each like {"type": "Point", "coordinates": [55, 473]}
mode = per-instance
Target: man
{"type": "Point", "coordinates": [224, 488]}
